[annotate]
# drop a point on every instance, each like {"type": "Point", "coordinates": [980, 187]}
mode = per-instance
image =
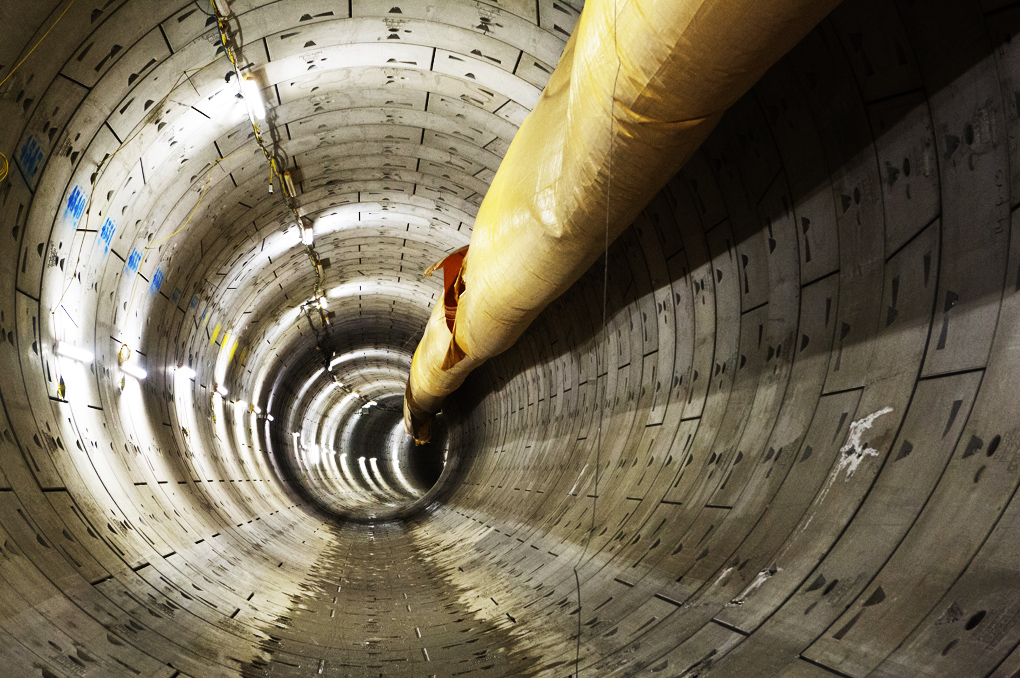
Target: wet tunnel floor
{"type": "Point", "coordinates": [378, 602]}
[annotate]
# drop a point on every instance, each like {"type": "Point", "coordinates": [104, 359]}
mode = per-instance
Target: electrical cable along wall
{"type": "Point", "coordinates": [793, 376]}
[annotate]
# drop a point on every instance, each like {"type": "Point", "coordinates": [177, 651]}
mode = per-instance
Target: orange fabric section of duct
{"type": "Point", "coordinates": [640, 85]}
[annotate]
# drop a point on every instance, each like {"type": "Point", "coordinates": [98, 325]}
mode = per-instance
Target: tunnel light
{"type": "Point", "coordinates": [307, 237]}
{"type": "Point", "coordinates": [186, 372]}
{"type": "Point", "coordinates": [222, 390]}
{"type": "Point", "coordinates": [288, 183]}
{"type": "Point", "coordinates": [378, 476]}
{"type": "Point", "coordinates": [256, 409]}
{"type": "Point", "coordinates": [368, 476]}
{"type": "Point", "coordinates": [133, 370]}
{"type": "Point", "coordinates": [252, 94]}
{"type": "Point", "coordinates": [73, 352]}
{"type": "Point", "coordinates": [348, 476]}
{"type": "Point", "coordinates": [395, 461]}
{"type": "Point", "coordinates": [323, 303]}
{"type": "Point", "coordinates": [222, 7]}
{"type": "Point", "coordinates": [270, 417]}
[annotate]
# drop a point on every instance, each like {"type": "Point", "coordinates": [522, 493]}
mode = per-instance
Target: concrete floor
{"type": "Point", "coordinates": [789, 450]}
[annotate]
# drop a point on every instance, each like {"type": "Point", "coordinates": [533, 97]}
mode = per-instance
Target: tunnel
{"type": "Point", "coordinates": [754, 439]}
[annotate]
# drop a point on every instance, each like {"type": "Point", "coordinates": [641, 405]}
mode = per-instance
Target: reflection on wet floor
{"type": "Point", "coordinates": [381, 601]}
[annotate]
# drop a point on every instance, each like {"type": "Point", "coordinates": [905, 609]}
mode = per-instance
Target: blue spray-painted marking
{"type": "Point", "coordinates": [134, 261]}
{"type": "Point", "coordinates": [175, 297]}
{"type": "Point", "coordinates": [75, 206]}
{"type": "Point", "coordinates": [194, 303]}
{"type": "Point", "coordinates": [106, 234]}
{"type": "Point", "coordinates": [157, 281]}
{"type": "Point", "coordinates": [30, 156]}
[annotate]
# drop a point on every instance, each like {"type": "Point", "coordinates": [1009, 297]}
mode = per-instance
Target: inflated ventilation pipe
{"type": "Point", "coordinates": [640, 85]}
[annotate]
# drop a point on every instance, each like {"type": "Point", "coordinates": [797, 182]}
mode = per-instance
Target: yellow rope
{"type": "Point", "coordinates": [205, 189]}
{"type": "Point", "coordinates": [18, 65]}
{"type": "Point", "coordinates": [100, 169]}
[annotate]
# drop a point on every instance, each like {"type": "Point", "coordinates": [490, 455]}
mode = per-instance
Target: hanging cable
{"type": "Point", "coordinates": [38, 42]}
{"type": "Point", "coordinates": [6, 163]}
{"type": "Point", "coordinates": [605, 333]}
{"type": "Point", "coordinates": [205, 189]}
{"type": "Point", "coordinates": [101, 170]}
{"type": "Point", "coordinates": [275, 172]}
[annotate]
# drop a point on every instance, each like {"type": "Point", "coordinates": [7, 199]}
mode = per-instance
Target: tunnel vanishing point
{"type": "Point", "coordinates": [726, 383]}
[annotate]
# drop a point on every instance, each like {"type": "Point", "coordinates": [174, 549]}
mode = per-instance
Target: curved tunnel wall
{"type": "Point", "coordinates": [788, 450]}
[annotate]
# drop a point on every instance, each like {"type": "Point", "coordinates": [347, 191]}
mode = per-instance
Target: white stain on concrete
{"type": "Point", "coordinates": [854, 451]}
{"type": "Point", "coordinates": [578, 481]}
{"type": "Point", "coordinates": [755, 584]}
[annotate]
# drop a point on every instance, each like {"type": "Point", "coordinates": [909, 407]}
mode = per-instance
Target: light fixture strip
{"type": "Point", "coordinates": [73, 352]}
{"type": "Point", "coordinates": [133, 370]}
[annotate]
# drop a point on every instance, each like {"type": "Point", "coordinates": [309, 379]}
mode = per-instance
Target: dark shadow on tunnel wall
{"type": "Point", "coordinates": [768, 172]}
{"type": "Point", "coordinates": [849, 219]}
{"type": "Point", "coordinates": [842, 237]}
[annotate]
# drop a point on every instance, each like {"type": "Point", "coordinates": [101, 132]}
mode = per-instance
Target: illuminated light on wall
{"type": "Point", "coordinates": [312, 454]}
{"type": "Point", "coordinates": [395, 446]}
{"type": "Point", "coordinates": [220, 431]}
{"type": "Point", "coordinates": [244, 450]}
{"type": "Point", "coordinates": [348, 476]}
{"type": "Point", "coordinates": [287, 320]}
{"type": "Point", "coordinates": [373, 462]}
{"type": "Point", "coordinates": [221, 390]}
{"type": "Point", "coordinates": [253, 428]}
{"type": "Point", "coordinates": [223, 358]}
{"type": "Point", "coordinates": [368, 476]}
{"type": "Point", "coordinates": [347, 216]}
{"type": "Point", "coordinates": [133, 370]}
{"type": "Point", "coordinates": [307, 237]}
{"type": "Point", "coordinates": [186, 372]}
{"type": "Point", "coordinates": [270, 454]}
{"type": "Point", "coordinates": [308, 384]}
{"type": "Point", "coordinates": [73, 352]}
{"type": "Point", "coordinates": [253, 97]}
{"type": "Point", "coordinates": [379, 355]}
{"type": "Point", "coordinates": [296, 439]}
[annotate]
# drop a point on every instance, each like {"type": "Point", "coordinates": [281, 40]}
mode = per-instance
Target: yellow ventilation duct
{"type": "Point", "coordinates": [640, 85]}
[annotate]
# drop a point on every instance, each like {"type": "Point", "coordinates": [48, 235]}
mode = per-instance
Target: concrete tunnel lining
{"type": "Point", "coordinates": [807, 464]}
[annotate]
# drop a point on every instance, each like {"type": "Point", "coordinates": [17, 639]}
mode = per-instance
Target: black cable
{"type": "Point", "coordinates": [605, 294]}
